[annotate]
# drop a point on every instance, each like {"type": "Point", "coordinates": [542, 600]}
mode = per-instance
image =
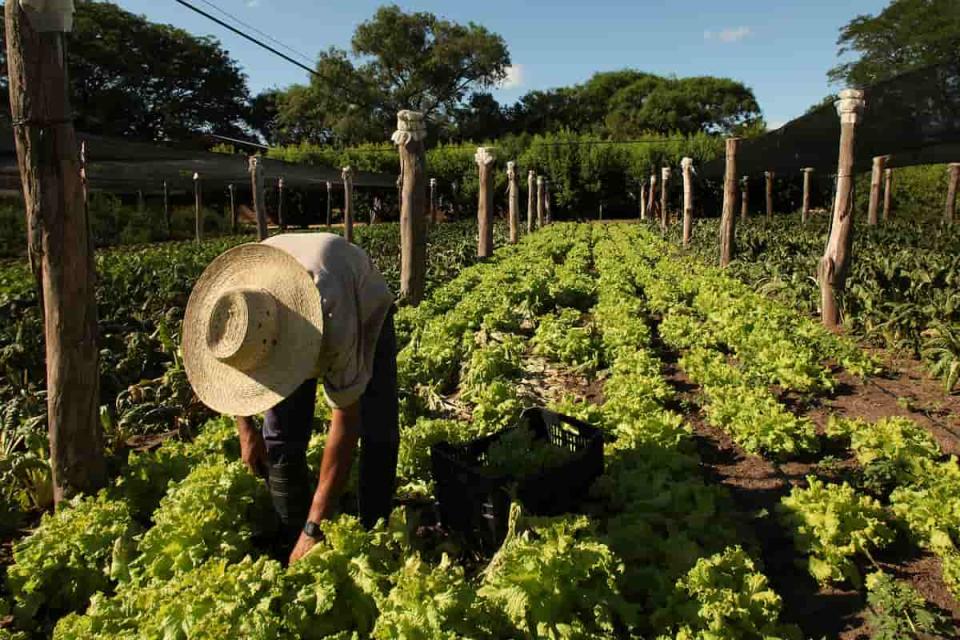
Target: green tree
{"type": "Point", "coordinates": [398, 60]}
{"type": "Point", "coordinates": [685, 105]}
{"type": "Point", "coordinates": [130, 77]}
{"type": "Point", "coordinates": [907, 35]}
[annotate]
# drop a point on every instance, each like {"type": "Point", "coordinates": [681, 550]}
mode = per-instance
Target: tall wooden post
{"type": "Point", "coordinates": [433, 201]}
{"type": "Point", "coordinates": [547, 208]}
{"type": "Point", "coordinates": [60, 245]}
{"type": "Point", "coordinates": [347, 175]}
{"type": "Point", "coordinates": [652, 207]}
{"type": "Point", "coordinates": [876, 181]}
{"type": "Point", "coordinates": [531, 198]}
{"type": "Point", "coordinates": [664, 201]}
{"type": "Point", "coordinates": [652, 196]}
{"type": "Point", "coordinates": [686, 166]}
{"type": "Point", "coordinates": [744, 197]}
{"type": "Point", "coordinates": [485, 158]}
{"type": "Point", "coordinates": [539, 202]}
{"type": "Point", "coordinates": [643, 200]}
{"type": "Point", "coordinates": [256, 189]}
{"type": "Point", "coordinates": [280, 219]}
{"type": "Point", "coordinates": [409, 136]}
{"type": "Point", "coordinates": [198, 204]}
{"type": "Point", "coordinates": [166, 210]}
{"type": "Point", "coordinates": [770, 177]}
{"type": "Point", "coordinates": [835, 264]}
{"type": "Point", "coordinates": [728, 219]}
{"type": "Point", "coordinates": [329, 205]}
{"type": "Point", "coordinates": [233, 208]}
{"type": "Point", "coordinates": [513, 201]}
{"type": "Point", "coordinates": [953, 184]}
{"type": "Point", "coordinates": [805, 211]}
{"type": "Point", "coordinates": [887, 192]}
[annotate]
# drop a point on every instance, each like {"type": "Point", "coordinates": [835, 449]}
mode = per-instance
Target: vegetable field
{"type": "Point", "coordinates": [746, 494]}
{"type": "Point", "coordinates": [141, 294]}
{"type": "Point", "coordinates": [905, 284]}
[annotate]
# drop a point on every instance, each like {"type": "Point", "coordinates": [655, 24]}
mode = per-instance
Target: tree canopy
{"type": "Point", "coordinates": [131, 77]}
{"type": "Point", "coordinates": [398, 61]}
{"type": "Point", "coordinates": [906, 35]}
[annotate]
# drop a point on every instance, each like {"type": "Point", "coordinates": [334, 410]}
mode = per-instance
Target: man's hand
{"type": "Point", "coordinates": [253, 451]}
{"type": "Point", "coordinates": [304, 544]}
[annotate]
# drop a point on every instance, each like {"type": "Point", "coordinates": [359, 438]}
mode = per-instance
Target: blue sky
{"type": "Point", "coordinates": [780, 48]}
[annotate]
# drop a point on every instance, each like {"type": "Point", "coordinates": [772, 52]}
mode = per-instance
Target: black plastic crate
{"type": "Point", "coordinates": [477, 505]}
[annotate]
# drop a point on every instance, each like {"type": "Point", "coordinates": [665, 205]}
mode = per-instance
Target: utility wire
{"type": "Point", "coordinates": [255, 30]}
{"type": "Point", "coordinates": [240, 33]}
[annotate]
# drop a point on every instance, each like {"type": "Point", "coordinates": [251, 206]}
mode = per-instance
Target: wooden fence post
{"type": "Point", "coordinates": [953, 183]}
{"type": "Point", "coordinates": [876, 181]}
{"type": "Point", "coordinates": [547, 212]}
{"type": "Point", "coordinates": [652, 207]}
{"type": "Point", "coordinates": [280, 219]}
{"type": "Point", "coordinates": [652, 197]}
{"type": "Point", "coordinates": [728, 219]}
{"type": "Point", "coordinates": [744, 197]}
{"type": "Point", "coordinates": [835, 264]}
{"type": "Point", "coordinates": [329, 205]}
{"type": "Point", "coordinates": [198, 204]}
{"type": "Point", "coordinates": [433, 201]}
{"type": "Point", "coordinates": [887, 192]}
{"type": "Point", "coordinates": [770, 177]}
{"type": "Point", "coordinates": [256, 187]}
{"type": "Point", "coordinates": [805, 211]}
{"type": "Point", "coordinates": [166, 210]}
{"type": "Point", "coordinates": [347, 176]}
{"type": "Point", "coordinates": [409, 136]}
{"type": "Point", "coordinates": [59, 244]}
{"type": "Point", "coordinates": [485, 158]}
{"type": "Point", "coordinates": [531, 198]}
{"type": "Point", "coordinates": [643, 200]}
{"type": "Point", "coordinates": [513, 201]}
{"type": "Point", "coordinates": [686, 166]}
{"type": "Point", "coordinates": [539, 202]}
{"type": "Point", "coordinates": [233, 208]}
{"type": "Point", "coordinates": [664, 206]}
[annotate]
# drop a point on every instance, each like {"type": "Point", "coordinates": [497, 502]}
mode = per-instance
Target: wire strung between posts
{"type": "Point", "coordinates": [255, 30]}
{"type": "Point", "coordinates": [247, 36]}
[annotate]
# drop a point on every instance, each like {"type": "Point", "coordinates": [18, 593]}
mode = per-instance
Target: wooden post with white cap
{"type": "Point", "coordinates": [409, 136]}
{"type": "Point", "coordinates": [59, 246]}
{"type": "Point", "coordinates": [485, 158]}
{"type": "Point", "coordinates": [835, 263]}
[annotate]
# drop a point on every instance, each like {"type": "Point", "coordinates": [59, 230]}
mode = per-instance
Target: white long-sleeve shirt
{"type": "Point", "coordinates": [356, 300]}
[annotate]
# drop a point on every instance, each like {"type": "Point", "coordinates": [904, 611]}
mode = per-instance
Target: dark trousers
{"type": "Point", "coordinates": [287, 429]}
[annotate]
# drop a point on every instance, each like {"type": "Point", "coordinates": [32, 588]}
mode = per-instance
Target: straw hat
{"type": "Point", "coordinates": [252, 330]}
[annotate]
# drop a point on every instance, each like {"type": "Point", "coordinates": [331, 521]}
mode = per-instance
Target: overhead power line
{"type": "Point", "coordinates": [255, 30]}
{"type": "Point", "coordinates": [240, 33]}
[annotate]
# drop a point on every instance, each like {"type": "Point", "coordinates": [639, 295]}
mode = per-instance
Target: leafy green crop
{"type": "Point", "coordinates": [556, 581]}
{"type": "Point", "coordinates": [897, 611]}
{"type": "Point", "coordinates": [833, 524]}
{"type": "Point", "coordinates": [213, 513]}
{"type": "Point", "coordinates": [519, 453]}
{"type": "Point", "coordinates": [724, 597]}
{"type": "Point", "coordinates": [81, 549]}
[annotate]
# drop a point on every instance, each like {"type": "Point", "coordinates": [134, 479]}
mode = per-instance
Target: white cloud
{"type": "Point", "coordinates": [253, 3]}
{"type": "Point", "coordinates": [514, 77]}
{"type": "Point", "coordinates": [775, 124]}
{"type": "Point", "coordinates": [728, 35]}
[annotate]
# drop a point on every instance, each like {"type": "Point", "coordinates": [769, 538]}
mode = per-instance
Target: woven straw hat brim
{"type": "Point", "coordinates": [299, 331]}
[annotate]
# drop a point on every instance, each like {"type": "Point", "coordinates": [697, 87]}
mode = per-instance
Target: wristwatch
{"type": "Point", "coordinates": [312, 529]}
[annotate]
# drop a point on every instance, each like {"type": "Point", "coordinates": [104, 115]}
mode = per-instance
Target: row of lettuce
{"type": "Point", "coordinates": [175, 548]}
{"type": "Point", "coordinates": [746, 351]}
